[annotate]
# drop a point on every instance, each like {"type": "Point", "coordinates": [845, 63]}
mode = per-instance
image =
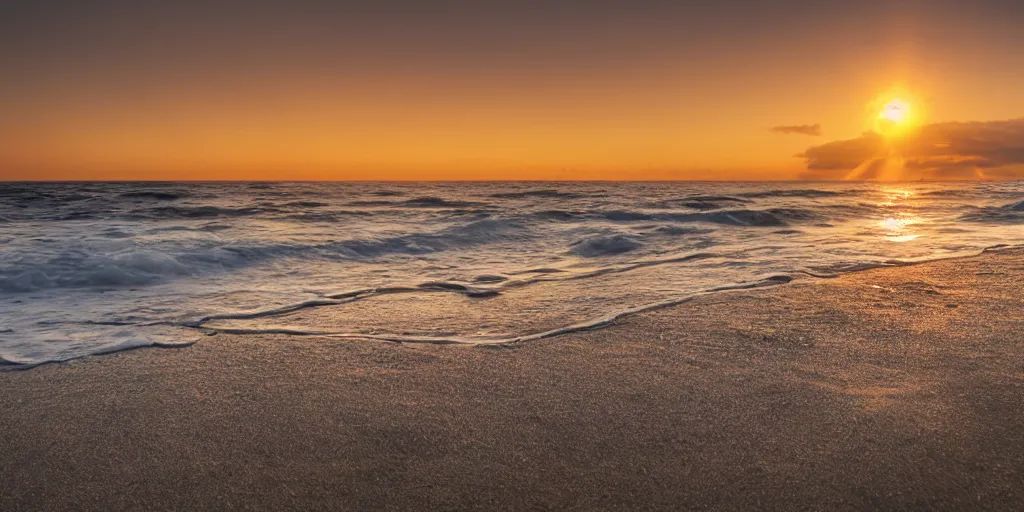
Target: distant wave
{"type": "Point", "coordinates": [946, 193]}
{"type": "Point", "coordinates": [155, 195]}
{"type": "Point", "coordinates": [681, 230]}
{"type": "Point", "coordinates": [807, 193]}
{"type": "Point", "coordinates": [332, 216]}
{"type": "Point", "coordinates": [545, 193]}
{"type": "Point", "coordinates": [702, 202]}
{"type": "Point", "coordinates": [304, 204]}
{"type": "Point", "coordinates": [475, 233]}
{"type": "Point", "coordinates": [421, 202]}
{"type": "Point", "coordinates": [560, 215]}
{"type": "Point", "coordinates": [438, 202]}
{"type": "Point", "coordinates": [717, 199]}
{"type": "Point", "coordinates": [195, 212]}
{"type": "Point", "coordinates": [738, 217]}
{"type": "Point", "coordinates": [743, 217]}
{"type": "Point", "coordinates": [604, 246]}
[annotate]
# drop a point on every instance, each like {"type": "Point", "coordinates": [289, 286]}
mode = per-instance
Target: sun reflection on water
{"type": "Point", "coordinates": [896, 226]}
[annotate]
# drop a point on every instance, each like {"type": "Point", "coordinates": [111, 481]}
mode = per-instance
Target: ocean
{"type": "Point", "coordinates": [88, 268]}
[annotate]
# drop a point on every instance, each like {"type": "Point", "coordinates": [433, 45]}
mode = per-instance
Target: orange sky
{"type": "Point", "coordinates": [624, 94]}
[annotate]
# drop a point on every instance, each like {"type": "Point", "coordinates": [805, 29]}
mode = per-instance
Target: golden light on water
{"type": "Point", "coordinates": [897, 226]}
{"type": "Point", "coordinates": [895, 195]}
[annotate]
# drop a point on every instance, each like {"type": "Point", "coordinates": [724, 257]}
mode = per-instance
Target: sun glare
{"type": "Point", "coordinates": [896, 111]}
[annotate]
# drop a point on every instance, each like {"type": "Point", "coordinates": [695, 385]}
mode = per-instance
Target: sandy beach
{"type": "Point", "coordinates": [889, 389]}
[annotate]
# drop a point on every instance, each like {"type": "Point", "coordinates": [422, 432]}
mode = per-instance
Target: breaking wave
{"type": "Point", "coordinates": [1007, 214]}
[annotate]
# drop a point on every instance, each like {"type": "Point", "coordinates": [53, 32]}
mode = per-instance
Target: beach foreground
{"type": "Point", "coordinates": [893, 388]}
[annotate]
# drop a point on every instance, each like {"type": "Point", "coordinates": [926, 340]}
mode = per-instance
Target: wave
{"type": "Point", "coordinates": [758, 218]}
{"type": "Point", "coordinates": [475, 233]}
{"type": "Point", "coordinates": [560, 215]}
{"type": "Point", "coordinates": [702, 205]}
{"type": "Point", "coordinates": [438, 202]}
{"type": "Point", "coordinates": [738, 217]}
{"type": "Point", "coordinates": [544, 193]}
{"type": "Point", "coordinates": [79, 269]}
{"type": "Point", "coordinates": [434, 233]}
{"type": "Point", "coordinates": [627, 216]}
{"type": "Point", "coordinates": [773, 217]}
{"type": "Point", "coordinates": [304, 204]}
{"type": "Point", "coordinates": [681, 230]}
{"type": "Point", "coordinates": [327, 217]}
{"type": "Point", "coordinates": [806, 193]}
{"type": "Point", "coordinates": [195, 212]}
{"type": "Point", "coordinates": [74, 270]}
{"type": "Point", "coordinates": [155, 195]}
{"type": "Point", "coordinates": [947, 193]}
{"type": "Point", "coordinates": [717, 199]}
{"type": "Point", "coordinates": [702, 202]}
{"type": "Point", "coordinates": [1006, 214]}
{"type": "Point", "coordinates": [604, 246]}
{"type": "Point", "coordinates": [421, 202]}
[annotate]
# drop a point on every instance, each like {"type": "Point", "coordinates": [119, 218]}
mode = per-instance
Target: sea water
{"type": "Point", "coordinates": [88, 268]}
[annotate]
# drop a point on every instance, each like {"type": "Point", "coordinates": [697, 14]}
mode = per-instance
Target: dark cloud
{"type": "Point", "coordinates": [955, 150]}
{"type": "Point", "coordinates": [813, 130]}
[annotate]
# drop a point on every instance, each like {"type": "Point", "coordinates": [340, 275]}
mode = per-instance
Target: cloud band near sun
{"type": "Point", "coordinates": [953, 150]}
{"type": "Point", "coordinates": [814, 130]}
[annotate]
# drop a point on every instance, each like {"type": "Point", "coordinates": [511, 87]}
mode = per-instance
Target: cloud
{"type": "Point", "coordinates": [955, 150]}
{"type": "Point", "coordinates": [814, 130]}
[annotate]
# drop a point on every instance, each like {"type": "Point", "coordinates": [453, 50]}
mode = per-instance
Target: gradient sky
{"type": "Point", "coordinates": [481, 89]}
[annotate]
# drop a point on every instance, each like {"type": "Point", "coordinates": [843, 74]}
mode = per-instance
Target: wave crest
{"type": "Point", "coordinates": [605, 246]}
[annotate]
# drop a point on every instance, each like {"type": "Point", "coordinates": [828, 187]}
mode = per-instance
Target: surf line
{"type": "Point", "coordinates": [586, 325]}
{"type": "Point", "coordinates": [337, 299]}
{"type": "Point", "coordinates": [593, 324]}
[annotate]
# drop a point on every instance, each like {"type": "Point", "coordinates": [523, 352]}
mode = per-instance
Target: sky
{"type": "Point", "coordinates": [555, 89]}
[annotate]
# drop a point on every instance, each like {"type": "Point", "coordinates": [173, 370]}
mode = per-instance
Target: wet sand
{"type": "Point", "coordinates": [889, 389]}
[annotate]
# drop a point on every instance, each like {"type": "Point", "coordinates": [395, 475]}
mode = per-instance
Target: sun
{"type": "Point", "coordinates": [896, 111]}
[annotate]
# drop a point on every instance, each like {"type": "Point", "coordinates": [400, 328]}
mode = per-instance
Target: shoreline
{"type": "Point", "coordinates": [600, 322]}
{"type": "Point", "coordinates": [891, 388]}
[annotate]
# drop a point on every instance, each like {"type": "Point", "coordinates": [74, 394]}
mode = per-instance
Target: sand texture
{"type": "Point", "coordinates": [889, 389]}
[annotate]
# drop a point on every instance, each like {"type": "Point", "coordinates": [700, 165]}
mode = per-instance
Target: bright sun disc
{"type": "Point", "coordinates": [895, 111]}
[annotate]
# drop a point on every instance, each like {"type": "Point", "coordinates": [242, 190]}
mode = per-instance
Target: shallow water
{"type": "Point", "coordinates": [96, 267]}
